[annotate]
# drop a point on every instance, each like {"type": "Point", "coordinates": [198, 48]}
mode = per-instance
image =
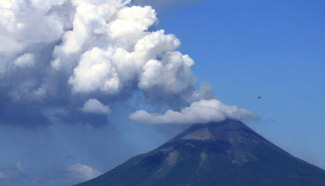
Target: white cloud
{"type": "Point", "coordinates": [203, 111]}
{"type": "Point", "coordinates": [40, 92]}
{"type": "Point", "coordinates": [153, 64]}
{"type": "Point", "coordinates": [107, 48]}
{"type": "Point", "coordinates": [131, 22]}
{"type": "Point", "coordinates": [25, 60]}
{"type": "Point", "coordinates": [149, 59]}
{"type": "Point", "coordinates": [88, 24]}
{"type": "Point", "coordinates": [172, 75]}
{"type": "Point", "coordinates": [82, 172]}
{"type": "Point", "coordinates": [24, 24]}
{"type": "Point", "coordinates": [94, 106]}
{"type": "Point", "coordinates": [95, 72]}
{"type": "Point", "coordinates": [205, 91]}
{"type": "Point", "coordinates": [103, 46]}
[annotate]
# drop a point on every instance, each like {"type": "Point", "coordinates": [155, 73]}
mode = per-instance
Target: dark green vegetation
{"type": "Point", "coordinates": [216, 154]}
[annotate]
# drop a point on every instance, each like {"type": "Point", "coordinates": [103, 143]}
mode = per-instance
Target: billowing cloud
{"type": "Point", "coordinates": [24, 23]}
{"type": "Point", "coordinates": [59, 57]}
{"type": "Point", "coordinates": [114, 52]}
{"type": "Point", "coordinates": [200, 112]}
{"type": "Point", "coordinates": [94, 106]}
{"type": "Point", "coordinates": [56, 55]}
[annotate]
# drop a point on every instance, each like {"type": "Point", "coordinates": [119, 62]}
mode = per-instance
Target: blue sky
{"type": "Point", "coordinates": [273, 49]}
{"type": "Point", "coordinates": [244, 49]}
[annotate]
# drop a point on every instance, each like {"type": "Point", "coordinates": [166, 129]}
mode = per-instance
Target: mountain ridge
{"type": "Point", "coordinates": [226, 153]}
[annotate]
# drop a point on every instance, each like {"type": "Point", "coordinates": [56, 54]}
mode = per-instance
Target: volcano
{"type": "Point", "coordinates": [226, 153]}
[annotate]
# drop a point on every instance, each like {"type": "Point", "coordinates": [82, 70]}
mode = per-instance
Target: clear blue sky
{"type": "Point", "coordinates": [274, 49]}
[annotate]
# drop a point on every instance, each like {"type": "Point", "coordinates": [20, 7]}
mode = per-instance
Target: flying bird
{"type": "Point", "coordinates": [259, 97]}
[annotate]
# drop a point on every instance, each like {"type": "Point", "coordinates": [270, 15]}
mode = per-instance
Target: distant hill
{"type": "Point", "coordinates": [227, 153]}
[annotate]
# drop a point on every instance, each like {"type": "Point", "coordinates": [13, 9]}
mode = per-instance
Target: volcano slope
{"type": "Point", "coordinates": [226, 153]}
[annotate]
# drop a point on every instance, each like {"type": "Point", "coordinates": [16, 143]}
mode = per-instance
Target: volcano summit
{"type": "Point", "coordinates": [226, 153]}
